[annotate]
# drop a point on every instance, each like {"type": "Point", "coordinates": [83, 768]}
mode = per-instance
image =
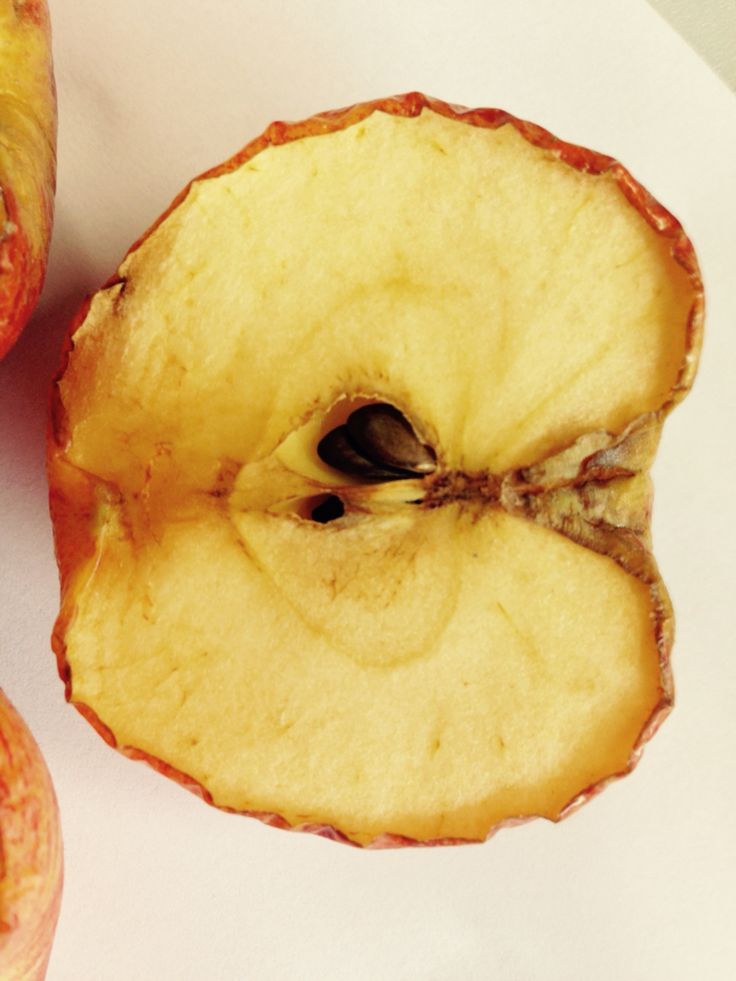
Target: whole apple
{"type": "Point", "coordinates": [27, 160]}
{"type": "Point", "coordinates": [31, 867]}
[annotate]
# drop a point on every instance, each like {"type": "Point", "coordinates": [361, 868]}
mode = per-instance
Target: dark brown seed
{"type": "Point", "coordinates": [383, 435]}
{"type": "Point", "coordinates": [337, 451]}
{"type": "Point", "coordinates": [329, 509]}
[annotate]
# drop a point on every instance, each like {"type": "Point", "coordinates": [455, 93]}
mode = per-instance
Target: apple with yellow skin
{"type": "Point", "coordinates": [27, 160]}
{"type": "Point", "coordinates": [30, 852]}
{"type": "Point", "coordinates": [349, 476]}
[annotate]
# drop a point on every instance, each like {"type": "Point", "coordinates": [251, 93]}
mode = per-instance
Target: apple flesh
{"type": "Point", "coordinates": [30, 852]}
{"type": "Point", "coordinates": [482, 638]}
{"type": "Point", "coordinates": [27, 160]}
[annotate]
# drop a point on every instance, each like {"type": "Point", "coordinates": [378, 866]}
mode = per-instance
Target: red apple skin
{"type": "Point", "coordinates": [31, 865]}
{"type": "Point", "coordinates": [27, 161]}
{"type": "Point", "coordinates": [72, 497]}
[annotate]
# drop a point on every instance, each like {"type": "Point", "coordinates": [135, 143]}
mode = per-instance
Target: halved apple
{"type": "Point", "coordinates": [348, 471]}
{"type": "Point", "coordinates": [30, 852]}
{"type": "Point", "coordinates": [27, 160]}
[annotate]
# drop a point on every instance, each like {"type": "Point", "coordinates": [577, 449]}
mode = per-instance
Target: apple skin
{"type": "Point", "coordinates": [27, 163]}
{"type": "Point", "coordinates": [31, 864]}
{"type": "Point", "coordinates": [72, 493]}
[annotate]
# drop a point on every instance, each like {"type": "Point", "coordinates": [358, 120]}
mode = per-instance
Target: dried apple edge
{"type": "Point", "coordinates": [630, 552]}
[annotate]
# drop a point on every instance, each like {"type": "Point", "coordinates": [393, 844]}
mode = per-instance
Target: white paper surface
{"type": "Point", "coordinates": [640, 883]}
{"type": "Point", "coordinates": [710, 27]}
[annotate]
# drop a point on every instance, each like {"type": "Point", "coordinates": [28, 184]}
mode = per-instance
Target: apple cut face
{"type": "Point", "coordinates": [348, 473]}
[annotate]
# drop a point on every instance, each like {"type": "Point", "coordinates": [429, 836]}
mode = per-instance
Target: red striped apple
{"type": "Point", "coordinates": [27, 160]}
{"type": "Point", "coordinates": [30, 852]}
{"type": "Point", "coordinates": [349, 476]}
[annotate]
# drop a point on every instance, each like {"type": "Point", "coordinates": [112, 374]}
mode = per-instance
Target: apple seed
{"type": "Point", "coordinates": [385, 436]}
{"type": "Point", "coordinates": [329, 509]}
{"type": "Point", "coordinates": [338, 451]}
